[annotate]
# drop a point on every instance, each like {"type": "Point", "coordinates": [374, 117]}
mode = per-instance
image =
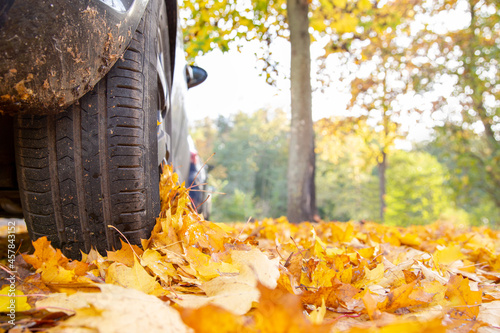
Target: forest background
{"type": "Point", "coordinates": [394, 71]}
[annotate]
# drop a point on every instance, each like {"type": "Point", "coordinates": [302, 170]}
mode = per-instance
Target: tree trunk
{"type": "Point", "coordinates": [382, 167]}
{"type": "Point", "coordinates": [301, 203]}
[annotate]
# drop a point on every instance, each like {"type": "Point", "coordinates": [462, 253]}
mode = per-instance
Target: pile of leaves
{"type": "Point", "coordinates": [265, 276]}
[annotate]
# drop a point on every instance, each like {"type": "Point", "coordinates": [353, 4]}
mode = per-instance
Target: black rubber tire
{"type": "Point", "coordinates": [96, 164]}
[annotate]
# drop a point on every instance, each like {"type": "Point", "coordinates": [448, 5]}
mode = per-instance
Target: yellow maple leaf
{"type": "Point", "coordinates": [10, 302]}
{"type": "Point", "coordinates": [464, 301]}
{"type": "Point", "coordinates": [45, 255]}
{"type": "Point", "coordinates": [159, 265]}
{"type": "Point", "coordinates": [447, 255]}
{"type": "Point", "coordinates": [278, 311]}
{"type": "Point", "coordinates": [317, 315]}
{"type": "Point", "coordinates": [399, 298]}
{"type": "Point", "coordinates": [206, 268]}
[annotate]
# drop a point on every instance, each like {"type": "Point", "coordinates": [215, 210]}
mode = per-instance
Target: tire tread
{"type": "Point", "coordinates": [89, 166]}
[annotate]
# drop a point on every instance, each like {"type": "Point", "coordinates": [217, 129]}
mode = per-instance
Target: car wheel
{"type": "Point", "coordinates": [96, 163]}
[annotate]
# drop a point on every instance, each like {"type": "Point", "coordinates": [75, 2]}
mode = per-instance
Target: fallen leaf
{"type": "Point", "coordinates": [8, 302]}
{"type": "Point", "coordinates": [213, 319]}
{"type": "Point", "coordinates": [489, 313]}
{"type": "Point", "coordinates": [114, 309]}
{"type": "Point", "coordinates": [134, 277]}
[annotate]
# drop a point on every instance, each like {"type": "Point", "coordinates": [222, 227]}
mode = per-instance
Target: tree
{"type": "Point", "coordinates": [465, 57]}
{"type": "Point", "coordinates": [470, 56]}
{"type": "Point", "coordinates": [204, 137]}
{"type": "Point", "coordinates": [466, 181]}
{"type": "Point", "coordinates": [383, 85]}
{"type": "Point", "coordinates": [249, 164]}
{"type": "Point", "coordinates": [210, 24]}
{"type": "Point", "coordinates": [301, 167]}
{"type": "Point", "coordinates": [347, 188]}
{"type": "Point", "coordinates": [416, 189]}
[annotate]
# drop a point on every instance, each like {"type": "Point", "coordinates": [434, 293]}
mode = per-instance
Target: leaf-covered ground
{"type": "Point", "coordinates": [264, 276]}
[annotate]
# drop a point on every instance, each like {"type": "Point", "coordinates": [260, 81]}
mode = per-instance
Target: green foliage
{"type": "Point", "coordinates": [209, 25]}
{"type": "Point", "coordinates": [471, 187]}
{"type": "Point", "coordinates": [347, 177]}
{"type": "Point", "coordinates": [344, 196]}
{"type": "Point", "coordinates": [455, 216]}
{"type": "Point", "coordinates": [346, 188]}
{"type": "Point", "coordinates": [466, 186]}
{"type": "Point", "coordinates": [250, 162]}
{"type": "Point", "coordinates": [468, 141]}
{"type": "Point", "coordinates": [416, 189]}
{"type": "Point", "coordinates": [235, 206]}
{"type": "Point", "coordinates": [428, 184]}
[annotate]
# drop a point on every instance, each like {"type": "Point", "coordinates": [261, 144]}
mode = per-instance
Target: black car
{"type": "Point", "coordinates": [91, 103]}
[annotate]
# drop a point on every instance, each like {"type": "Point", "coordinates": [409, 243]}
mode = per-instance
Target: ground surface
{"type": "Point", "coordinates": [264, 276]}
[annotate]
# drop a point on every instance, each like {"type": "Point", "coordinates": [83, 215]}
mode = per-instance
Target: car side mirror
{"type": "Point", "coordinates": [195, 75]}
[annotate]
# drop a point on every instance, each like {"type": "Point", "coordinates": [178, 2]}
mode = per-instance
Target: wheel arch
{"type": "Point", "coordinates": [67, 59]}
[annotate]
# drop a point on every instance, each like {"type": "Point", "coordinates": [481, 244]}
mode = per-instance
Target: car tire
{"type": "Point", "coordinates": [96, 163]}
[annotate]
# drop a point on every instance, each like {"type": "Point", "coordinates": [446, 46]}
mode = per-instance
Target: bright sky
{"type": "Point", "coordinates": [234, 84]}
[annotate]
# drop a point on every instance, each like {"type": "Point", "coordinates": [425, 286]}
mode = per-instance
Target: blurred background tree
{"type": "Point", "coordinates": [470, 133]}
{"type": "Point", "coordinates": [215, 24]}
{"type": "Point", "coordinates": [250, 164]}
{"type": "Point", "coordinates": [417, 192]}
{"type": "Point", "coordinates": [250, 167]}
{"type": "Point", "coordinates": [404, 65]}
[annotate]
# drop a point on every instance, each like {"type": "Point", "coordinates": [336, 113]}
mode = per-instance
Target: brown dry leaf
{"type": "Point", "coordinates": [114, 309]}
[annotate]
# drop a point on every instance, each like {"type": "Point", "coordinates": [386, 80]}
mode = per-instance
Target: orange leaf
{"type": "Point", "coordinates": [370, 305]}
{"type": "Point", "coordinates": [464, 301]}
{"type": "Point", "coordinates": [126, 254]}
{"type": "Point", "coordinates": [278, 312]}
{"type": "Point", "coordinates": [212, 319]}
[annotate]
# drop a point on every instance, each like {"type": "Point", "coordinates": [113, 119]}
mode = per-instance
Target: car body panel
{"type": "Point", "coordinates": [47, 67]}
{"type": "Point", "coordinates": [180, 147]}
